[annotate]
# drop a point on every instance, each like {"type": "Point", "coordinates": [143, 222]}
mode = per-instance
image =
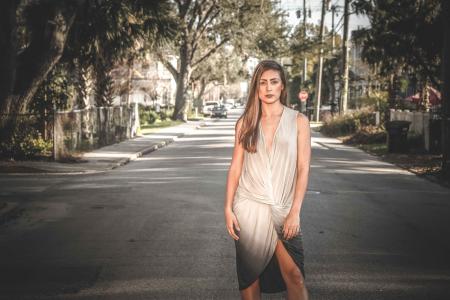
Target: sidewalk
{"type": "Point", "coordinates": [105, 158]}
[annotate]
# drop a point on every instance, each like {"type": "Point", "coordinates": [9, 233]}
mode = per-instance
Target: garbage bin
{"type": "Point", "coordinates": [435, 136]}
{"type": "Point", "coordinates": [397, 133]}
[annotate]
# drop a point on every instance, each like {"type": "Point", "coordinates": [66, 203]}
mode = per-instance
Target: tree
{"type": "Point", "coordinates": [224, 67]}
{"type": "Point", "coordinates": [206, 26]}
{"type": "Point", "coordinates": [108, 33]}
{"type": "Point", "coordinates": [410, 40]}
{"type": "Point", "coordinates": [80, 32]}
{"type": "Point", "coordinates": [26, 63]}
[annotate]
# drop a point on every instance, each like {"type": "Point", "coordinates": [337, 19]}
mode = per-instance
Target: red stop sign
{"type": "Point", "coordinates": [303, 96]}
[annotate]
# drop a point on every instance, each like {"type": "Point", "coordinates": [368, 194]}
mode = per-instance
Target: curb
{"type": "Point", "coordinates": [12, 210]}
{"type": "Point", "coordinates": [119, 163]}
{"type": "Point", "coordinates": [427, 177]}
{"type": "Point", "coordinates": [150, 149]}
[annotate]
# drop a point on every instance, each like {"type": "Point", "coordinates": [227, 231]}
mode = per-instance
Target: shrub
{"type": "Point", "coordinates": [348, 123]}
{"type": "Point", "coordinates": [147, 115]}
{"type": "Point", "coordinates": [342, 125]}
{"type": "Point", "coordinates": [26, 142]}
{"type": "Point", "coordinates": [163, 115]}
{"type": "Point", "coordinates": [368, 135]}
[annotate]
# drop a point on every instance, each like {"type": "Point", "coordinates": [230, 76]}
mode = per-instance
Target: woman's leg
{"type": "Point", "coordinates": [252, 292]}
{"type": "Point", "coordinates": [296, 289]}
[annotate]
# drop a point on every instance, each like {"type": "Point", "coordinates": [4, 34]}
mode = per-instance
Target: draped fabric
{"type": "Point", "coordinates": [262, 201]}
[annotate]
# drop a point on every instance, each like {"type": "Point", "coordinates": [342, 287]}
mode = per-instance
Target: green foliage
{"type": "Point", "coordinates": [33, 146]}
{"type": "Point", "coordinates": [340, 126]}
{"type": "Point", "coordinates": [104, 89]}
{"type": "Point", "coordinates": [57, 90]}
{"type": "Point", "coordinates": [147, 115]}
{"type": "Point", "coordinates": [163, 115]}
{"type": "Point", "coordinates": [348, 123]}
{"type": "Point", "coordinates": [403, 34]}
{"type": "Point", "coordinates": [112, 32]}
{"type": "Point", "coordinates": [26, 142]}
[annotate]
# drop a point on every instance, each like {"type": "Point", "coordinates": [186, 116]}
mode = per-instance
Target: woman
{"type": "Point", "coordinates": [266, 184]}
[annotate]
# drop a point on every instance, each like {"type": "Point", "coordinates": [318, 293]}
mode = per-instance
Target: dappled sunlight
{"type": "Point", "coordinates": [221, 145]}
{"type": "Point", "coordinates": [368, 170]}
{"type": "Point", "coordinates": [155, 136]}
{"type": "Point", "coordinates": [173, 170]}
{"type": "Point", "coordinates": [88, 186]}
{"type": "Point", "coordinates": [161, 158]}
{"type": "Point", "coordinates": [104, 155]}
{"type": "Point", "coordinates": [219, 132]}
{"type": "Point", "coordinates": [353, 162]}
{"type": "Point", "coordinates": [227, 127]}
{"type": "Point", "coordinates": [190, 139]}
{"type": "Point", "coordinates": [215, 164]}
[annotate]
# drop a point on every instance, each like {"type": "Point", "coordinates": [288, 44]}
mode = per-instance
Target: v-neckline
{"type": "Point", "coordinates": [274, 134]}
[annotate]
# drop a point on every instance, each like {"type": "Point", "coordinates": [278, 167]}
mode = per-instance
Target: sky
{"type": "Point", "coordinates": [290, 6]}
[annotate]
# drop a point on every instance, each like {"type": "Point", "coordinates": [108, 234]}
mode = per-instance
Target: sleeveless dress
{"type": "Point", "coordinates": [262, 200]}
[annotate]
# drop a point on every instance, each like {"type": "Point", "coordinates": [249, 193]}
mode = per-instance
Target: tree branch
{"type": "Point", "coordinates": [168, 65]}
{"type": "Point", "coordinates": [210, 51]}
{"type": "Point", "coordinates": [193, 15]}
{"type": "Point", "coordinates": [45, 50]}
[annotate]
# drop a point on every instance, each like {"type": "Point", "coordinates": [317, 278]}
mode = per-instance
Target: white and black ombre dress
{"type": "Point", "coordinates": [262, 201]}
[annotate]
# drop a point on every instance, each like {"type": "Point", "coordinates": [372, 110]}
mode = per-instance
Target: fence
{"type": "Point", "coordinates": [81, 130]}
{"type": "Point", "coordinates": [425, 124]}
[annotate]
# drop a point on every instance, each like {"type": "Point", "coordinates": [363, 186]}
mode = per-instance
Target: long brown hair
{"type": "Point", "coordinates": [251, 117]}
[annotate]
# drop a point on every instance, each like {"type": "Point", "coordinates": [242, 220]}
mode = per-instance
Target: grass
{"type": "Point", "coordinates": [151, 128]}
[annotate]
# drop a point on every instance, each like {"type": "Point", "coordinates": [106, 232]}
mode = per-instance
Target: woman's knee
{"type": "Point", "coordinates": [252, 292]}
{"type": "Point", "coordinates": [293, 276]}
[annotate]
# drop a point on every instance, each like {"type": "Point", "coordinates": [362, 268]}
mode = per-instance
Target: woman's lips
{"type": "Point", "coordinates": [269, 95]}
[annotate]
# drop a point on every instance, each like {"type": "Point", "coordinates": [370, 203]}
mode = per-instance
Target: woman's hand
{"type": "Point", "coordinates": [231, 222]}
{"type": "Point", "coordinates": [291, 226]}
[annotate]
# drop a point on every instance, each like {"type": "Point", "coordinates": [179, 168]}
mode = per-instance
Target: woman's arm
{"type": "Point", "coordinates": [234, 173]}
{"type": "Point", "coordinates": [303, 161]}
{"type": "Point", "coordinates": [292, 223]}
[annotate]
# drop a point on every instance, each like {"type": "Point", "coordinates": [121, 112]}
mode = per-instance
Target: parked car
{"type": "Point", "coordinates": [207, 107]}
{"type": "Point", "coordinates": [219, 111]}
{"type": "Point", "coordinates": [228, 105]}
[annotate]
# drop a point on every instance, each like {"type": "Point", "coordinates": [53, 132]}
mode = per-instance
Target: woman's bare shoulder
{"type": "Point", "coordinates": [302, 120]}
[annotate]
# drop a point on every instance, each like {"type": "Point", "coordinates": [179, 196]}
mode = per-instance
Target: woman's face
{"type": "Point", "coordinates": [270, 86]}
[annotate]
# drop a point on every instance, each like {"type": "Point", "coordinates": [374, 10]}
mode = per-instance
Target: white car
{"type": "Point", "coordinates": [208, 106]}
{"type": "Point", "coordinates": [228, 105]}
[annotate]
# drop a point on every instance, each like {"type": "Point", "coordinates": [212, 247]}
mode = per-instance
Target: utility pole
{"type": "Point", "coordinates": [345, 53]}
{"type": "Point", "coordinates": [446, 91]}
{"type": "Point", "coordinates": [305, 60]}
{"type": "Point", "coordinates": [333, 70]}
{"type": "Point", "coordinates": [333, 33]}
{"type": "Point", "coordinates": [319, 73]}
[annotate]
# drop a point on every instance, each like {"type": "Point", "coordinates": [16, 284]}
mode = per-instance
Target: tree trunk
{"type": "Point", "coordinates": [201, 92]}
{"type": "Point", "coordinates": [30, 68]}
{"type": "Point", "coordinates": [182, 81]}
{"type": "Point", "coordinates": [8, 51]}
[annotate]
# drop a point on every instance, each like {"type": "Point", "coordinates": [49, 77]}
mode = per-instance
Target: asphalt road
{"type": "Point", "coordinates": [154, 228]}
